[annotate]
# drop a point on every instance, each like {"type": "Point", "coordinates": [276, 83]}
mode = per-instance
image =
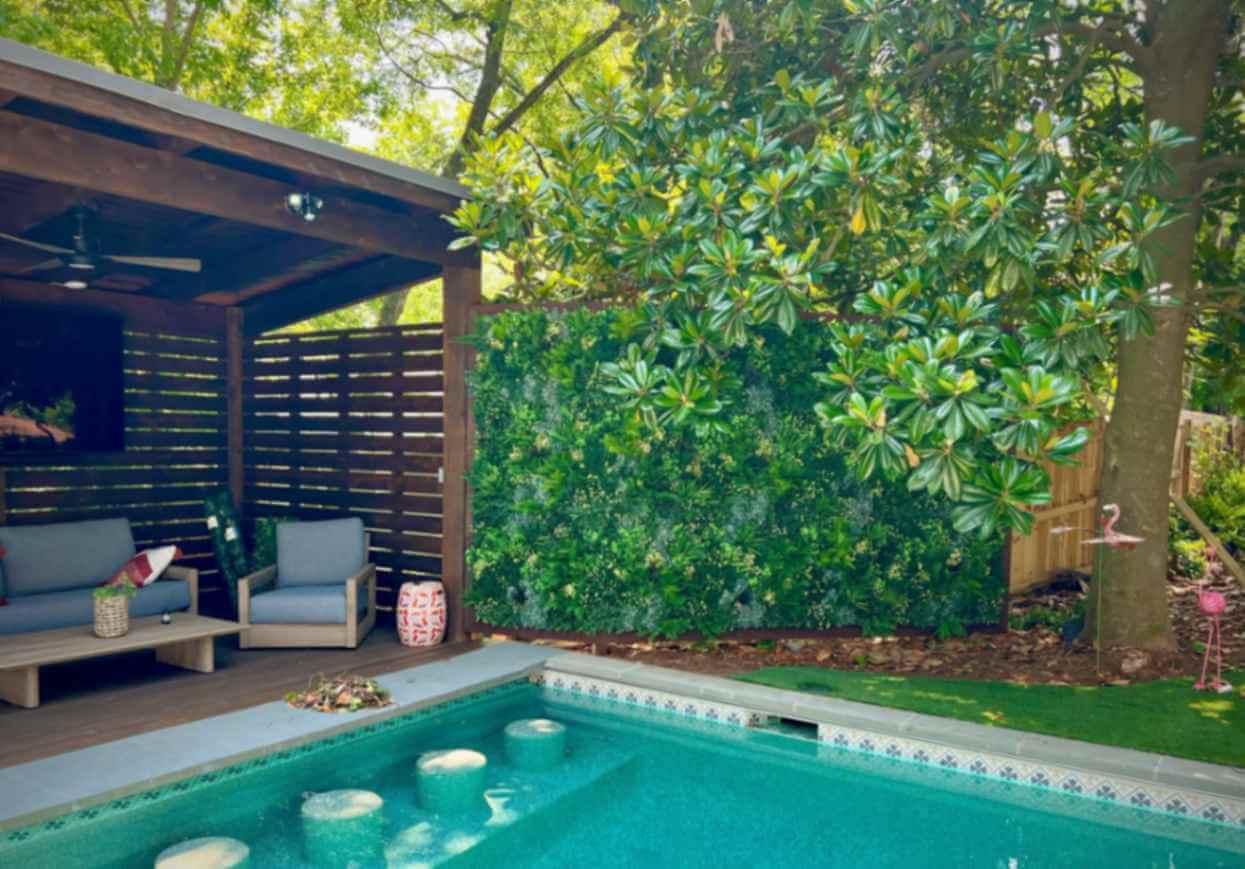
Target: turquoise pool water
{"type": "Point", "coordinates": [638, 789]}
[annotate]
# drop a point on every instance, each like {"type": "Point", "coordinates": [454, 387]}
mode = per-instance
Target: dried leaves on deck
{"type": "Point", "coordinates": [340, 694]}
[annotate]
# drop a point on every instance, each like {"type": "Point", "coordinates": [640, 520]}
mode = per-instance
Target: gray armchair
{"type": "Point", "coordinates": [321, 591]}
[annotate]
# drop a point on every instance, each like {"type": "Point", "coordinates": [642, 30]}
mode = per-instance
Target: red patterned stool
{"type": "Point", "coordinates": [421, 613]}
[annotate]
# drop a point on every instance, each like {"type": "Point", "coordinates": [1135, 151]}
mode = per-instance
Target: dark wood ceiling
{"type": "Point", "coordinates": [146, 191]}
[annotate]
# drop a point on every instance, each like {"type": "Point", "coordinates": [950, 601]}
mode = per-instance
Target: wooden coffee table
{"type": "Point", "coordinates": [187, 642]}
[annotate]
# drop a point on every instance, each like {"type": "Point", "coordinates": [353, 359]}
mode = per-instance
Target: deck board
{"type": "Point", "coordinates": [86, 703]}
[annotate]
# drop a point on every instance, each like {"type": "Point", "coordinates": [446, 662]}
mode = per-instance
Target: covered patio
{"type": "Point", "coordinates": [205, 231]}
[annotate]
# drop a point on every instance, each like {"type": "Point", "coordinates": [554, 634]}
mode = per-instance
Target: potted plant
{"type": "Point", "coordinates": [112, 609]}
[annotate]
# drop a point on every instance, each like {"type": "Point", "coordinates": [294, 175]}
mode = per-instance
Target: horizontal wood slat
{"type": "Point", "coordinates": [174, 455]}
{"type": "Point", "coordinates": [348, 423]}
{"type": "Point", "coordinates": [259, 369]}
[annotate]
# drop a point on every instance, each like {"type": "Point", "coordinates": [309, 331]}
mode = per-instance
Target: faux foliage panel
{"type": "Point", "coordinates": [587, 520]}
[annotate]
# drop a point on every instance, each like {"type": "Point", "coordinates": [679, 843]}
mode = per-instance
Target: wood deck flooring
{"type": "Point", "coordinates": [89, 702]}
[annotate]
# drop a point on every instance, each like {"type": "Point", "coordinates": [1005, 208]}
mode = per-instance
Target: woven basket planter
{"type": "Point", "coordinates": [112, 616]}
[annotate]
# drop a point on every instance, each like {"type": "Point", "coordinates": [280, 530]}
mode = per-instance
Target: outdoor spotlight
{"type": "Point", "coordinates": [76, 284]}
{"type": "Point", "coordinates": [304, 204]}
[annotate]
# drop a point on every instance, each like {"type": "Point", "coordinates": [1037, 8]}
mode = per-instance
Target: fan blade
{"type": "Point", "coordinates": [43, 266]}
{"type": "Point", "coordinates": [50, 248]}
{"type": "Point", "coordinates": [179, 264]}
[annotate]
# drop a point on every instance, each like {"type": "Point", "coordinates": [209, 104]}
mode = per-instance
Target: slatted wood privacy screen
{"type": "Point", "coordinates": [349, 423]}
{"type": "Point", "coordinates": [175, 431]}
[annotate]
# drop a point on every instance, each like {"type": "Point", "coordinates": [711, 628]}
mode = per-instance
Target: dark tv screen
{"type": "Point", "coordinates": [60, 381]}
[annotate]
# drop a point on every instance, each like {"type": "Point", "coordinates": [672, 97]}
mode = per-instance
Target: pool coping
{"type": "Point", "coordinates": [34, 792]}
{"type": "Point", "coordinates": [1194, 789]}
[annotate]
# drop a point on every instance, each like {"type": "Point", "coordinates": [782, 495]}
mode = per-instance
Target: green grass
{"type": "Point", "coordinates": [1166, 716]}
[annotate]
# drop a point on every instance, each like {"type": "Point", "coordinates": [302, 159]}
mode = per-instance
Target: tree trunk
{"type": "Point", "coordinates": [1178, 71]}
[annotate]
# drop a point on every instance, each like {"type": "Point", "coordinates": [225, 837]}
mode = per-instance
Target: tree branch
{"type": "Point", "coordinates": [1220, 164]}
{"type": "Point", "coordinates": [585, 48]}
{"type": "Point", "coordinates": [179, 63]}
{"type": "Point", "coordinates": [490, 82]}
{"type": "Point", "coordinates": [1117, 40]}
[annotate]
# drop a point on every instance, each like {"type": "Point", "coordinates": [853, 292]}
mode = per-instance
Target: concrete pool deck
{"type": "Point", "coordinates": [41, 789]}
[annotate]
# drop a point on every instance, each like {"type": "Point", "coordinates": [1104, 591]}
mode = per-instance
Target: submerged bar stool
{"type": "Point", "coordinates": [342, 826]}
{"type": "Point", "coordinates": [209, 852]}
{"type": "Point", "coordinates": [535, 744]}
{"type": "Point", "coordinates": [451, 780]}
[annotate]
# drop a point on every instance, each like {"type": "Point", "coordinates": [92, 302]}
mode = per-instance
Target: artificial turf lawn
{"type": "Point", "coordinates": [1166, 716]}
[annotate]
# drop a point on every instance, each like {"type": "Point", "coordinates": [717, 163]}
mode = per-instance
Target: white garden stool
{"type": "Point", "coordinates": [420, 613]}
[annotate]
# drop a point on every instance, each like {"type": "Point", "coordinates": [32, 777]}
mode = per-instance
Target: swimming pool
{"type": "Point", "coordinates": [638, 788]}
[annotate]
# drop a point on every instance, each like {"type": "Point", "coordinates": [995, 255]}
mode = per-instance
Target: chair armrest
{"type": "Point", "coordinates": [249, 585]}
{"type": "Point", "coordinates": [366, 578]}
{"type": "Point", "coordinates": [191, 576]}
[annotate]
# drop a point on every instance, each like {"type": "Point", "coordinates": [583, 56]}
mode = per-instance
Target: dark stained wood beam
{"type": "Point", "coordinates": [50, 152]}
{"type": "Point", "coordinates": [334, 290]}
{"type": "Point", "coordinates": [142, 312]}
{"type": "Point", "coordinates": [332, 260]}
{"type": "Point", "coordinates": [460, 291]}
{"type": "Point", "coordinates": [91, 100]}
{"type": "Point", "coordinates": [225, 282]}
{"type": "Point", "coordinates": [43, 202]}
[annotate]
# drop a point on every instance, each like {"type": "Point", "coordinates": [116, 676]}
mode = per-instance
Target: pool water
{"type": "Point", "coordinates": [637, 789]}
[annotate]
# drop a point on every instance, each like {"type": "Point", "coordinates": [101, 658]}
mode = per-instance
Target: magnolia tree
{"type": "Point", "coordinates": [1012, 213]}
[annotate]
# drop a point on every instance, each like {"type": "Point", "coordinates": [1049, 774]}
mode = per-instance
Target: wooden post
{"type": "Point", "coordinates": [233, 376]}
{"type": "Point", "coordinates": [1186, 458]}
{"type": "Point", "coordinates": [460, 290]}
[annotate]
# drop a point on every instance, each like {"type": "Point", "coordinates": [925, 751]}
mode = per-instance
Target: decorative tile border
{"type": "Point", "coordinates": [1119, 814]}
{"type": "Point", "coordinates": [1030, 779]}
{"type": "Point", "coordinates": [1113, 789]}
{"type": "Point", "coordinates": [645, 698]}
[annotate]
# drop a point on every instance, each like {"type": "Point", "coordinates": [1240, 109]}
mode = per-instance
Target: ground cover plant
{"type": "Point", "coordinates": [587, 520]}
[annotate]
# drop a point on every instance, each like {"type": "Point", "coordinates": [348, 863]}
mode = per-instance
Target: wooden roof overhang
{"type": "Point", "coordinates": [164, 175]}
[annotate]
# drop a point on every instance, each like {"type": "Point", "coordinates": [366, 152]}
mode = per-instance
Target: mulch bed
{"type": "Point", "coordinates": [1037, 655]}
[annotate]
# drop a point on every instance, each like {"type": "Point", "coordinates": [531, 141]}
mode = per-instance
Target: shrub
{"type": "Point", "coordinates": [1219, 501]}
{"type": "Point", "coordinates": [587, 520]}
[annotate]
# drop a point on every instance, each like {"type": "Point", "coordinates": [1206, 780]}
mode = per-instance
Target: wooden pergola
{"type": "Point", "coordinates": [162, 175]}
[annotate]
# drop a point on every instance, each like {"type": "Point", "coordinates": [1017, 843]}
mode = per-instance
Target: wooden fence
{"type": "Point", "coordinates": [1058, 528]}
{"type": "Point", "coordinates": [350, 423]}
{"type": "Point", "coordinates": [175, 436]}
{"type": "Point", "coordinates": [1055, 544]}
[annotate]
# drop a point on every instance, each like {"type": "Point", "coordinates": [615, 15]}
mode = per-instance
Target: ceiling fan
{"type": "Point", "coordinates": [84, 257]}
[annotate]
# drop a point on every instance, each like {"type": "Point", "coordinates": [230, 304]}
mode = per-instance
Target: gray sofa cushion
{"type": "Point", "coordinates": [63, 609]}
{"type": "Point", "coordinates": [45, 558]}
{"type": "Point", "coordinates": [319, 553]}
{"type": "Point", "coordinates": [303, 605]}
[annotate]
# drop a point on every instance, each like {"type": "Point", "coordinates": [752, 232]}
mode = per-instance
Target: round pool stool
{"type": "Point", "coordinates": [209, 852]}
{"type": "Point", "coordinates": [451, 780]}
{"type": "Point", "coordinates": [342, 826]}
{"type": "Point", "coordinates": [535, 744]}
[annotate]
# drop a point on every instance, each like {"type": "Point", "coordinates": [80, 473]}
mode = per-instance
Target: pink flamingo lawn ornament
{"type": "Point", "coordinates": [1212, 604]}
{"type": "Point", "coordinates": [1114, 540]}
{"type": "Point", "coordinates": [1110, 536]}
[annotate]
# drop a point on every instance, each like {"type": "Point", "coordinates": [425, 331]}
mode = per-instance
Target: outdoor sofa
{"type": "Point", "coordinates": [48, 574]}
